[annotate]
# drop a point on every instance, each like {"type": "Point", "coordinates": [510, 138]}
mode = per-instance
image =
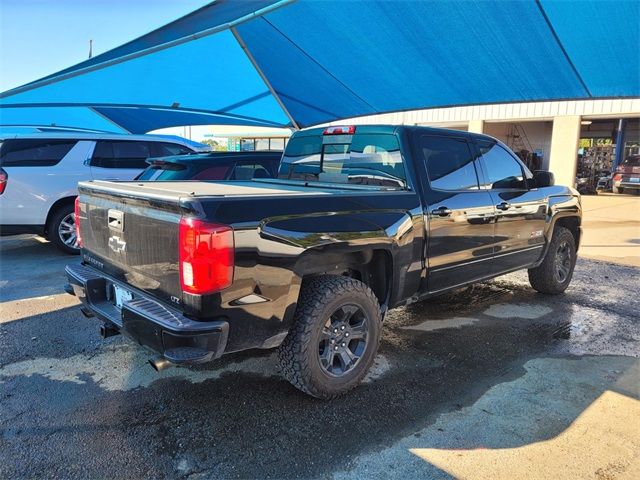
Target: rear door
{"type": "Point", "coordinates": [520, 211]}
{"type": "Point", "coordinates": [459, 214]}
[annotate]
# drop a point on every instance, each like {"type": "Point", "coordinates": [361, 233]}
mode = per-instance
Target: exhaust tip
{"type": "Point", "coordinates": [159, 363]}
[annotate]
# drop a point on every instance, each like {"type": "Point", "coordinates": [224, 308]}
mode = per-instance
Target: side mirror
{"type": "Point", "coordinates": [543, 178]}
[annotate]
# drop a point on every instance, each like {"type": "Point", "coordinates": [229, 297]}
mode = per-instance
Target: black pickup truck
{"type": "Point", "coordinates": [360, 219]}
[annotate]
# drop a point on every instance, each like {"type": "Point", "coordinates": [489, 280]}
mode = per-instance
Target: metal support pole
{"type": "Point", "coordinates": [620, 139]}
{"type": "Point", "coordinates": [266, 81]}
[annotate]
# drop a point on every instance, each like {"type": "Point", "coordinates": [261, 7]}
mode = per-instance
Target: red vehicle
{"type": "Point", "coordinates": [627, 175]}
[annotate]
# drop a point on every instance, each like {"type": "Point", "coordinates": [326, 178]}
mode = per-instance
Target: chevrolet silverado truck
{"type": "Point", "coordinates": [361, 219]}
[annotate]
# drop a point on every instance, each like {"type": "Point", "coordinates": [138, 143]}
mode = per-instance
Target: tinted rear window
{"type": "Point", "coordinates": [117, 154]}
{"type": "Point", "coordinates": [34, 153]}
{"type": "Point", "coordinates": [186, 171]}
{"type": "Point", "coordinates": [368, 159]}
{"type": "Point", "coordinates": [450, 164]}
{"type": "Point", "coordinates": [217, 170]}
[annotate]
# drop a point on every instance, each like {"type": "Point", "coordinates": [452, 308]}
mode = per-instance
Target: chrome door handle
{"type": "Point", "coordinates": [503, 206]}
{"type": "Point", "coordinates": [441, 212]}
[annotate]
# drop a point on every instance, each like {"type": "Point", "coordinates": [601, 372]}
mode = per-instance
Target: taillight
{"type": "Point", "coordinates": [4, 177]}
{"type": "Point", "coordinates": [206, 256]}
{"type": "Point", "coordinates": [349, 130]}
{"type": "Point", "coordinates": [77, 221]}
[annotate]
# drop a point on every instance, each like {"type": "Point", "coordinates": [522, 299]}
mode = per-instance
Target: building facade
{"type": "Point", "coordinates": [550, 130]}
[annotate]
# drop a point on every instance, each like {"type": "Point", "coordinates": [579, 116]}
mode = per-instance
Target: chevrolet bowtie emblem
{"type": "Point", "coordinates": [117, 244]}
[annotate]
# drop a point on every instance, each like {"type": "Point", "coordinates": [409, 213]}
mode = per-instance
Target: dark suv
{"type": "Point", "coordinates": [213, 166]}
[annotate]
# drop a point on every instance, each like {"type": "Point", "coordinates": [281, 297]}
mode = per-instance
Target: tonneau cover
{"type": "Point", "coordinates": [168, 190]}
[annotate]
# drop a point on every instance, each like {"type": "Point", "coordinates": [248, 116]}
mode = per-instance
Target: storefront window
{"type": "Point", "coordinates": [277, 144]}
{"type": "Point", "coordinates": [262, 144]}
{"type": "Point", "coordinates": [247, 145]}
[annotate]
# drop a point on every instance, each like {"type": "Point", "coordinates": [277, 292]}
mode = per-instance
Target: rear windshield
{"type": "Point", "coordinates": [166, 171]}
{"type": "Point", "coordinates": [34, 152]}
{"type": "Point", "coordinates": [366, 159]}
{"type": "Point", "coordinates": [632, 161]}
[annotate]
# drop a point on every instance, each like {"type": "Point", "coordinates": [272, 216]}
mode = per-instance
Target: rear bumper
{"type": "Point", "coordinates": [627, 185]}
{"type": "Point", "coordinates": [153, 324]}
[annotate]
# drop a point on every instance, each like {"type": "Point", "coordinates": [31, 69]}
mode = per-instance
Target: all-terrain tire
{"type": "Point", "coordinates": [298, 355]}
{"type": "Point", "coordinates": [547, 277]}
{"type": "Point", "coordinates": [53, 228]}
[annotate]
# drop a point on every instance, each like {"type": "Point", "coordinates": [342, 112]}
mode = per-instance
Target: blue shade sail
{"type": "Point", "coordinates": [602, 39]}
{"type": "Point", "coordinates": [283, 63]}
{"type": "Point", "coordinates": [72, 117]}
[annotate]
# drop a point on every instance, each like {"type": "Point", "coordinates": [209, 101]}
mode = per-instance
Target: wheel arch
{"type": "Point", "coordinates": [571, 223]}
{"type": "Point", "coordinates": [64, 201]}
{"type": "Point", "coordinates": [372, 266]}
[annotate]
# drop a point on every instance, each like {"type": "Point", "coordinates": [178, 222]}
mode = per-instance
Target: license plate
{"type": "Point", "coordinates": [121, 295]}
{"type": "Point", "coordinates": [634, 179]}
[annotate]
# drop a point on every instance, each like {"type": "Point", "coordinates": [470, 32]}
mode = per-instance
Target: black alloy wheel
{"type": "Point", "coordinates": [343, 340]}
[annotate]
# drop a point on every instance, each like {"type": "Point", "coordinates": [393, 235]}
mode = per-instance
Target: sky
{"type": "Point", "coordinates": [40, 37]}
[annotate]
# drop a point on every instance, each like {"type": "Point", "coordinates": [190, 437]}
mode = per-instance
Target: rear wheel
{"type": "Point", "coordinates": [62, 229]}
{"type": "Point", "coordinates": [554, 274]}
{"type": "Point", "coordinates": [335, 337]}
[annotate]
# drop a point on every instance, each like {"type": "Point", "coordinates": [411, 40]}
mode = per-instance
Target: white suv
{"type": "Point", "coordinates": [39, 174]}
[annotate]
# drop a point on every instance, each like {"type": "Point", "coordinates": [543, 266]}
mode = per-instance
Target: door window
{"type": "Point", "coordinates": [34, 153]}
{"type": "Point", "coordinates": [115, 154]}
{"type": "Point", "coordinates": [450, 164]}
{"type": "Point", "coordinates": [503, 171]}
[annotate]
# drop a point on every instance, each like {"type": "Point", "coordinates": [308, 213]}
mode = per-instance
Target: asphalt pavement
{"type": "Point", "coordinates": [492, 381]}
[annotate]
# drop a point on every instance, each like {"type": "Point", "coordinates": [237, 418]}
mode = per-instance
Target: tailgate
{"type": "Point", "coordinates": [133, 238]}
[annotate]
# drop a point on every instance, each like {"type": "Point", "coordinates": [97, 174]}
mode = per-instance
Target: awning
{"type": "Point", "coordinates": [300, 63]}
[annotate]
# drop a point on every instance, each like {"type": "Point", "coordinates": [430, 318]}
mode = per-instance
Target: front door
{"type": "Point", "coordinates": [520, 211]}
{"type": "Point", "coordinates": [459, 214]}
